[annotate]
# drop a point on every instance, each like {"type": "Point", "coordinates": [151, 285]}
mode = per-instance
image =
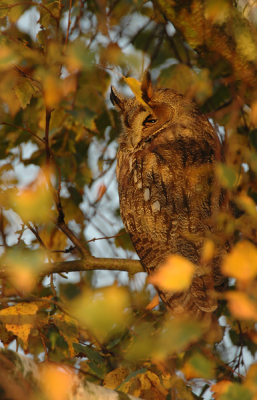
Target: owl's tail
{"type": "Point", "coordinates": [196, 302]}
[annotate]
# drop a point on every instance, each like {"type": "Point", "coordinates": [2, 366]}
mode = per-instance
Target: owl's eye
{"type": "Point", "coordinates": [149, 120]}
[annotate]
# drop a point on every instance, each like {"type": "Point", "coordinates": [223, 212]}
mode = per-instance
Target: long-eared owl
{"type": "Point", "coordinates": [168, 190]}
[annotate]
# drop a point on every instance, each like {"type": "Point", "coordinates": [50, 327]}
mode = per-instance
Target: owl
{"type": "Point", "coordinates": [168, 190]}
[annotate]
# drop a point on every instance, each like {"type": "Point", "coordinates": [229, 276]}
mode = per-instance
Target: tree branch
{"type": "Point", "coordinates": [88, 264]}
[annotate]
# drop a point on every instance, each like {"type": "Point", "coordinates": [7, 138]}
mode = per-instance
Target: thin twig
{"type": "Point", "coordinates": [25, 129]}
{"type": "Point", "coordinates": [209, 354]}
{"type": "Point", "coordinates": [43, 342]}
{"type": "Point", "coordinates": [60, 223]}
{"type": "Point", "coordinates": [105, 237]}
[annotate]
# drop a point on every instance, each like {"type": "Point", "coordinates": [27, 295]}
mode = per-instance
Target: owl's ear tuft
{"type": "Point", "coordinates": [146, 87]}
{"type": "Point", "coordinates": [116, 99]}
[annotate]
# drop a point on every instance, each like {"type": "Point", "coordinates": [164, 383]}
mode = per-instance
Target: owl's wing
{"type": "Point", "coordinates": [179, 197]}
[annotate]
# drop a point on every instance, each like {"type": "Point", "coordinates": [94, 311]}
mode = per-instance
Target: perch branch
{"type": "Point", "coordinates": [88, 264]}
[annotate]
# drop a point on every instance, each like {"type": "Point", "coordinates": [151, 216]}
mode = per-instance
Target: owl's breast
{"type": "Point", "coordinates": [162, 197]}
{"type": "Point", "coordinates": [146, 202]}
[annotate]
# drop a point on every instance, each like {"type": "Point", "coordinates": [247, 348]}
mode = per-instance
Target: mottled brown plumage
{"type": "Point", "coordinates": [169, 194]}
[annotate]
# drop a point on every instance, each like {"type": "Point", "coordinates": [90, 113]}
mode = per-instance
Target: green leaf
{"type": "Point", "coordinates": [43, 35]}
{"type": "Point", "coordinates": [46, 18]}
{"type": "Point", "coordinates": [124, 241]}
{"type": "Point", "coordinates": [4, 10]}
{"type": "Point", "coordinates": [236, 392]}
{"type": "Point", "coordinates": [221, 95]}
{"type": "Point", "coordinates": [226, 175]}
{"type": "Point", "coordinates": [24, 90]}
{"type": "Point", "coordinates": [202, 366]}
{"type": "Point", "coordinates": [178, 77]}
{"type": "Point", "coordinates": [96, 360]}
{"type": "Point", "coordinates": [76, 195]}
{"type": "Point", "coordinates": [68, 328]}
{"type": "Point", "coordinates": [37, 158]}
{"type": "Point", "coordinates": [253, 137]}
{"type": "Point", "coordinates": [6, 196]}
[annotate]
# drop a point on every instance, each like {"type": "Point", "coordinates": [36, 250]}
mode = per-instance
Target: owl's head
{"type": "Point", "coordinates": [162, 111]}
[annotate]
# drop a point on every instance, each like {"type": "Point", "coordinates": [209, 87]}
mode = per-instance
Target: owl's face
{"type": "Point", "coordinates": [169, 114]}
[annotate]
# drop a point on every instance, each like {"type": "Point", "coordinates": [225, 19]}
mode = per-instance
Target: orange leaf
{"type": "Point", "coordinates": [56, 383]}
{"type": "Point", "coordinates": [241, 305]}
{"type": "Point", "coordinates": [241, 263]}
{"type": "Point", "coordinates": [220, 388]}
{"type": "Point", "coordinates": [208, 251]}
{"type": "Point", "coordinates": [153, 303]}
{"type": "Point", "coordinates": [176, 274]}
{"type": "Point", "coordinates": [101, 191]}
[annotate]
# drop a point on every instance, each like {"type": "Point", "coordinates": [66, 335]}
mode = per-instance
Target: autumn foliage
{"type": "Point", "coordinates": [59, 202]}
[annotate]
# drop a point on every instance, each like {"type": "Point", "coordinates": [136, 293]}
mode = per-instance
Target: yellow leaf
{"type": "Point", "coordinates": [8, 57]}
{"type": "Point", "coordinates": [24, 90]}
{"type": "Point", "coordinates": [6, 337]}
{"type": "Point", "coordinates": [254, 113]}
{"type": "Point", "coordinates": [135, 86]}
{"type": "Point", "coordinates": [145, 382]}
{"type": "Point", "coordinates": [24, 267]}
{"type": "Point", "coordinates": [155, 383]}
{"type": "Point", "coordinates": [52, 87]}
{"type": "Point", "coordinates": [208, 251]}
{"type": "Point", "coordinates": [22, 276]}
{"type": "Point", "coordinates": [33, 203]}
{"type": "Point", "coordinates": [184, 392]}
{"type": "Point", "coordinates": [251, 379]}
{"type": "Point", "coordinates": [146, 386]}
{"type": "Point", "coordinates": [103, 311]}
{"type": "Point", "coordinates": [19, 319]}
{"type": "Point", "coordinates": [247, 204]}
{"type": "Point", "coordinates": [241, 263]}
{"type": "Point", "coordinates": [114, 378]}
{"type": "Point", "coordinates": [217, 11]}
{"type": "Point", "coordinates": [241, 305]}
{"type": "Point", "coordinates": [7, 93]}
{"type": "Point", "coordinates": [175, 274]}
{"type": "Point", "coordinates": [198, 366]}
